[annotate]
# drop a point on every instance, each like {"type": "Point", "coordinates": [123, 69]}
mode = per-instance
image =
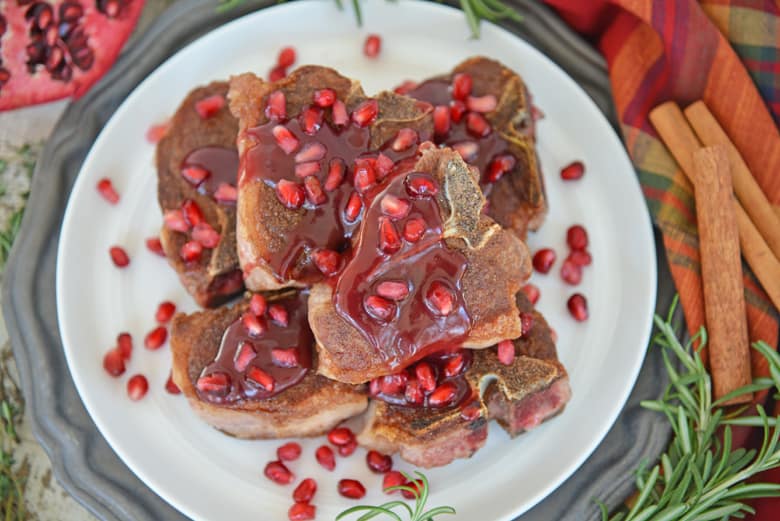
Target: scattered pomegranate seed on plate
{"type": "Point", "coordinates": [124, 342]}
{"type": "Point", "coordinates": [348, 449]}
{"type": "Point", "coordinates": [573, 171]}
{"type": "Point", "coordinates": [119, 256]}
{"type": "Point", "coordinates": [305, 491]}
{"type": "Point", "coordinates": [286, 57]}
{"type": "Point", "coordinates": [277, 73]}
{"type": "Point", "coordinates": [170, 385]}
{"type": "Point", "coordinates": [571, 272]}
{"type": "Point", "coordinates": [302, 512]}
{"type": "Point", "coordinates": [165, 312]}
{"type": "Point", "coordinates": [114, 362]}
{"type": "Point", "coordinates": [137, 387]}
{"type": "Point", "coordinates": [351, 488]}
{"type": "Point", "coordinates": [532, 292]}
{"type": "Point", "coordinates": [340, 436]}
{"type": "Point", "coordinates": [577, 237]}
{"type": "Point", "coordinates": [156, 132]}
{"type": "Point", "coordinates": [325, 457]}
{"type": "Point", "coordinates": [578, 307]}
{"type": "Point", "coordinates": [372, 46]}
{"type": "Point", "coordinates": [106, 188]}
{"type": "Point", "coordinates": [277, 472]}
{"type": "Point", "coordinates": [154, 245]}
{"type": "Point", "coordinates": [290, 451]}
{"type": "Point", "coordinates": [156, 338]}
{"type": "Point", "coordinates": [543, 260]}
{"type": "Point", "coordinates": [392, 479]}
{"type": "Point", "coordinates": [580, 257]}
{"type": "Point", "coordinates": [416, 484]}
{"type": "Point", "coordinates": [378, 462]}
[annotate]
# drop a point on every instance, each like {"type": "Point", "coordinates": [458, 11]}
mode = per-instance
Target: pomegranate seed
{"type": "Point", "coordinates": [573, 171]}
{"type": "Point", "coordinates": [205, 235]}
{"type": "Point", "coordinates": [114, 362]}
{"type": "Point", "coordinates": [468, 150]}
{"type": "Point", "coordinates": [383, 165]}
{"type": "Point", "coordinates": [261, 378]}
{"type": "Point", "coordinates": [195, 175]}
{"type": "Point", "coordinates": [440, 299]}
{"type": "Point", "coordinates": [373, 387]}
{"type": "Point", "coordinates": [165, 312]}
{"type": "Point", "coordinates": [174, 220]}
{"type": "Point", "coordinates": [365, 176]}
{"type": "Point", "coordinates": [276, 106]}
{"type": "Point", "coordinates": [304, 170]}
{"type": "Point", "coordinates": [286, 57]}
{"type": "Point", "coordinates": [578, 307]}
{"type": "Point", "coordinates": [244, 355]}
{"type": "Point", "coordinates": [311, 120]}
{"type": "Point", "coordinates": [277, 472]}
{"type": "Point", "coordinates": [278, 314]}
{"type": "Point", "coordinates": [340, 436]}
{"type": "Point", "coordinates": [305, 491]}
{"type": "Point", "coordinates": [577, 237]}
{"type": "Point", "coordinates": [477, 125]}
{"type": "Point", "coordinates": [379, 308]}
{"type": "Point", "coordinates": [324, 97]}
{"type": "Point", "coordinates": [258, 305]}
{"type": "Point", "coordinates": [571, 273]}
{"type": "Point", "coordinates": [124, 342]}
{"type": "Point", "coordinates": [311, 152]}
{"type": "Point", "coordinates": [336, 171]}
{"type": "Point", "coordinates": [365, 113]}
{"type": "Point", "coordinates": [443, 395]}
{"type": "Point", "coordinates": [156, 338]}
{"type": "Point", "coordinates": [393, 383]}
{"type": "Point", "coordinates": [313, 189]}
{"type": "Point", "coordinates": [441, 120]}
{"type": "Point", "coordinates": [277, 73]}
{"type": "Point", "coordinates": [285, 139]}
{"type": "Point", "coordinates": [471, 412]}
{"type": "Point", "coordinates": [482, 104]}
{"type": "Point", "coordinates": [119, 256]}
{"type": "Point", "coordinates": [454, 366]}
{"type": "Point", "coordinates": [154, 245]}
{"type": "Point", "coordinates": [156, 132]}
{"type": "Point", "coordinates": [379, 463]}
{"type": "Point", "coordinates": [580, 257]}
{"type": "Point", "coordinates": [348, 449]}
{"type": "Point", "coordinates": [285, 357]}
{"type": "Point", "coordinates": [290, 451]}
{"type": "Point", "coordinates": [192, 212]}
{"type": "Point", "coordinates": [532, 292]}
{"type": "Point", "coordinates": [394, 207]}
{"type": "Point", "coordinates": [392, 290]}
{"type": "Point", "coordinates": [543, 260]}
{"type": "Point", "coordinates": [226, 193]}
{"type": "Point", "coordinates": [191, 251]}
{"type": "Point", "coordinates": [351, 488]}
{"type": "Point", "coordinates": [302, 512]}
{"type": "Point", "coordinates": [421, 185]}
{"type": "Point", "coordinates": [106, 188]}
{"type": "Point", "coordinates": [217, 383]}
{"type": "Point", "coordinates": [425, 376]}
{"type": "Point", "coordinates": [405, 87]}
{"type": "Point", "coordinates": [209, 107]}
{"type": "Point", "coordinates": [461, 86]}
{"type": "Point", "coordinates": [527, 322]}
{"type": "Point", "coordinates": [506, 352]}
{"type": "Point", "coordinates": [137, 387]}
{"type": "Point", "coordinates": [254, 326]}
{"type": "Point", "coordinates": [325, 457]}
{"type": "Point", "coordinates": [416, 485]}
{"type": "Point", "coordinates": [499, 166]}
{"type": "Point", "coordinates": [339, 113]}
{"type": "Point", "coordinates": [405, 138]}
{"type": "Point", "coordinates": [457, 110]}
{"type": "Point", "coordinates": [327, 261]}
{"type": "Point", "coordinates": [372, 46]}
{"type": "Point", "coordinates": [354, 206]}
{"type": "Point", "coordinates": [414, 229]}
{"type": "Point", "coordinates": [389, 241]}
{"type": "Point", "coordinates": [290, 194]}
{"type": "Point", "coordinates": [170, 385]}
{"type": "Point", "coordinates": [392, 479]}
{"type": "Point", "coordinates": [414, 393]}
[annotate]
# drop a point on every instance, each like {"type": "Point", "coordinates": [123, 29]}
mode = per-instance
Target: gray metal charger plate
{"type": "Point", "coordinates": [82, 460]}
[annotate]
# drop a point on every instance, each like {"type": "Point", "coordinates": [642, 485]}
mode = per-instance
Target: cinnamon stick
{"type": "Point", "coordinates": [721, 270]}
{"type": "Point", "coordinates": [764, 264]}
{"type": "Point", "coordinates": [748, 192]}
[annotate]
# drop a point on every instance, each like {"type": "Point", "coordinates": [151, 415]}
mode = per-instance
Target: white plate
{"type": "Point", "coordinates": [210, 476]}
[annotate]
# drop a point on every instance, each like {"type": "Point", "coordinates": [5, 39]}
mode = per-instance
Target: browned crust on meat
{"type": "Point", "coordinates": [204, 280]}
{"type": "Point", "coordinates": [309, 408]}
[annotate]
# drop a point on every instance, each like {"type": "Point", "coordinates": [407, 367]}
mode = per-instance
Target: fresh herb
{"type": "Point", "coordinates": [13, 475]}
{"type": "Point", "coordinates": [388, 509]}
{"type": "Point", "coordinates": [16, 170]}
{"type": "Point", "coordinates": [701, 476]}
{"type": "Point", "coordinates": [475, 11]}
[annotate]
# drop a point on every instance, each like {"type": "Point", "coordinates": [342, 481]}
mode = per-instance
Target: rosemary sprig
{"type": "Point", "coordinates": [700, 477]}
{"type": "Point", "coordinates": [388, 509]}
{"type": "Point", "coordinates": [13, 475]}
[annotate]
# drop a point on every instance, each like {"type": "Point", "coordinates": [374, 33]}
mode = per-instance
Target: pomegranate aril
{"type": "Point", "coordinates": [354, 206]}
{"type": "Point", "coordinates": [313, 188]}
{"type": "Point", "coordinates": [365, 177]}
{"type": "Point", "coordinates": [394, 207]}
{"type": "Point", "coordinates": [244, 355]}
{"type": "Point", "coordinates": [302, 512]}
{"type": "Point", "coordinates": [457, 110]}
{"type": "Point", "coordinates": [416, 485]}
{"type": "Point", "coordinates": [499, 166]}
{"type": "Point", "coordinates": [209, 107]}
{"type": "Point", "coordinates": [290, 194]}
{"type": "Point", "coordinates": [526, 323]}
{"type": "Point", "coordinates": [580, 257]}
{"type": "Point", "coordinates": [286, 57]}
{"type": "Point", "coordinates": [195, 175]}
{"type": "Point", "coordinates": [285, 357]}
{"type": "Point", "coordinates": [378, 462]}
{"type": "Point", "coordinates": [156, 132]}
{"type": "Point", "coordinates": [216, 383]}
{"type": "Point", "coordinates": [305, 491]}
{"type": "Point", "coordinates": [372, 46]}
{"type": "Point", "coordinates": [276, 106]}
{"type": "Point", "coordinates": [461, 86]}
{"type": "Point", "coordinates": [421, 185]}
{"type": "Point", "coordinates": [441, 120]}
{"type": "Point", "coordinates": [393, 383]}
{"type": "Point", "coordinates": [174, 220]}
{"type": "Point", "coordinates": [226, 193]}
{"type": "Point", "coordinates": [405, 87]}
{"type": "Point", "coordinates": [165, 312]}
{"type": "Point", "coordinates": [261, 378]}
{"type": "Point", "coordinates": [258, 305]}
{"type": "Point", "coordinates": [327, 261]}
{"type": "Point", "coordinates": [285, 139]}
{"type": "Point", "coordinates": [392, 479]}
{"type": "Point", "coordinates": [506, 352]}
{"type": "Point", "coordinates": [414, 393]}
{"type": "Point", "coordinates": [471, 412]}
{"type": "Point", "coordinates": [252, 323]}
{"type": "Point", "coordinates": [339, 113]}
{"type": "Point", "coordinates": [311, 120]}
{"type": "Point", "coordinates": [156, 338]}
{"type": "Point", "coordinates": [389, 240]}
{"type": "Point", "coordinates": [340, 436]}
{"type": "Point", "coordinates": [351, 488]}
{"type": "Point", "coordinates": [192, 212]}
{"type": "Point", "coordinates": [124, 342]}
{"type": "Point", "coordinates": [405, 138]}
{"type": "Point", "coordinates": [205, 235]}
{"type": "Point", "coordinates": [468, 150]}
{"type": "Point", "coordinates": [425, 375]}
{"type": "Point", "coordinates": [440, 299]}
{"type": "Point", "coordinates": [324, 97]}
{"type": "Point", "coordinates": [170, 385]}
{"type": "Point", "coordinates": [191, 251]}
{"type": "Point", "coordinates": [278, 314]}
{"type": "Point", "coordinates": [137, 387]}
{"type": "Point", "coordinates": [336, 171]}
{"type": "Point", "coordinates": [154, 245]}
{"type": "Point", "coordinates": [379, 308]}
{"type": "Point", "coordinates": [571, 273]}
{"type": "Point", "coordinates": [383, 165]}
{"type": "Point", "coordinates": [277, 73]}
{"type": "Point", "coordinates": [482, 104]}
{"type": "Point", "coordinates": [106, 188]}
{"type": "Point", "coordinates": [543, 260]}
{"type": "Point", "coordinates": [325, 457]}
{"type": "Point", "coordinates": [114, 362]}
{"type": "Point", "coordinates": [532, 292]}
{"type": "Point", "coordinates": [277, 472]}
{"type": "Point", "coordinates": [477, 125]}
{"type": "Point", "coordinates": [290, 451]}
{"type": "Point", "coordinates": [119, 256]}
{"type": "Point", "coordinates": [578, 307]}
{"type": "Point", "coordinates": [365, 113]}
{"type": "Point", "coordinates": [454, 366]}
{"type": "Point", "coordinates": [392, 289]}
{"type": "Point", "coordinates": [577, 237]}
{"type": "Point", "coordinates": [304, 170]}
{"type": "Point", "coordinates": [311, 152]}
{"type": "Point", "coordinates": [414, 229]}
{"type": "Point", "coordinates": [573, 171]}
{"type": "Point", "coordinates": [443, 395]}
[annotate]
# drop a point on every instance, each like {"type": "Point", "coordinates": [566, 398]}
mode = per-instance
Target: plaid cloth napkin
{"type": "Point", "coordinates": [726, 52]}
